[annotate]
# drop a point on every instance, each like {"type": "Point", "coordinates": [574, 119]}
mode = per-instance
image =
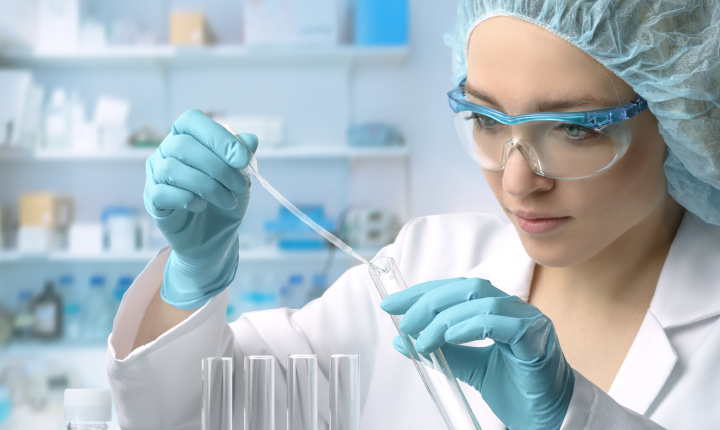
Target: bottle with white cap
{"type": "Point", "coordinates": [87, 409]}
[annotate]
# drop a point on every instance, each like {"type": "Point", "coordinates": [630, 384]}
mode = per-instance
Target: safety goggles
{"type": "Point", "coordinates": [558, 145]}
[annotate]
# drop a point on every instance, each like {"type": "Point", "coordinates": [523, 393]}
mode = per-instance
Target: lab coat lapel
{"type": "Point", "coordinates": [646, 368]}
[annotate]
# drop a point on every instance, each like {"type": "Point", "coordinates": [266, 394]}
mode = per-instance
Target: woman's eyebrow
{"type": "Point", "coordinates": [587, 100]}
{"type": "Point", "coordinates": [487, 98]}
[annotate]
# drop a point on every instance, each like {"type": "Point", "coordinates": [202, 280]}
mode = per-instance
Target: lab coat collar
{"type": "Point", "coordinates": [689, 286]}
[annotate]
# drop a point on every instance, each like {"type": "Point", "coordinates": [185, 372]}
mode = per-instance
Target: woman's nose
{"type": "Point", "coordinates": [519, 180]}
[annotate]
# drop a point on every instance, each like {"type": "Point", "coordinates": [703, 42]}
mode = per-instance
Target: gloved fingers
{"type": "Point", "coordinates": [468, 363]}
{"type": "Point", "coordinates": [500, 328]}
{"type": "Point", "coordinates": [466, 322]}
{"type": "Point", "coordinates": [189, 151]}
{"type": "Point", "coordinates": [401, 347]}
{"type": "Point", "coordinates": [161, 199]}
{"type": "Point", "coordinates": [172, 172]}
{"type": "Point", "coordinates": [430, 304]}
{"type": "Point", "coordinates": [153, 209]}
{"type": "Point", "coordinates": [250, 140]}
{"type": "Point", "coordinates": [216, 138]}
{"type": "Point", "coordinates": [400, 302]}
{"type": "Point", "coordinates": [165, 196]}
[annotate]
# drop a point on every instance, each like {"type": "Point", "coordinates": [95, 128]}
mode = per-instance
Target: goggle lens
{"type": "Point", "coordinates": [554, 149]}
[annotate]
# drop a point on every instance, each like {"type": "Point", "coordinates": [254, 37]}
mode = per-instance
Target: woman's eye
{"type": "Point", "coordinates": [482, 120]}
{"type": "Point", "coordinates": [576, 131]}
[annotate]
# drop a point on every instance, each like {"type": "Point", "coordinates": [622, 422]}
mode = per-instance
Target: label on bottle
{"type": "Point", "coordinates": [45, 319]}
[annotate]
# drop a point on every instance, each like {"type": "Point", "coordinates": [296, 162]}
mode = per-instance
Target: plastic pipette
{"type": "Point", "coordinates": [252, 170]}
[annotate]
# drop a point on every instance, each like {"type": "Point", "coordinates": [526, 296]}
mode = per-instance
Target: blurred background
{"type": "Point", "coordinates": [347, 98]}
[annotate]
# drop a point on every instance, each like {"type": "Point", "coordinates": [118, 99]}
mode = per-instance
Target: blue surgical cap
{"type": "Point", "coordinates": [668, 51]}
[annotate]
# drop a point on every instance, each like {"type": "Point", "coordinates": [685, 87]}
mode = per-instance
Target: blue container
{"type": "Point", "coordinates": [381, 22]}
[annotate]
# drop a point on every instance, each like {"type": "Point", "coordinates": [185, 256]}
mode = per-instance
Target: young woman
{"type": "Point", "coordinates": [597, 125]}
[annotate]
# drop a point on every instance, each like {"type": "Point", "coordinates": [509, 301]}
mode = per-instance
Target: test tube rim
{"type": "Point", "coordinates": [374, 266]}
{"type": "Point", "coordinates": [259, 357]}
{"type": "Point", "coordinates": [344, 355]}
{"type": "Point", "coordinates": [302, 355]}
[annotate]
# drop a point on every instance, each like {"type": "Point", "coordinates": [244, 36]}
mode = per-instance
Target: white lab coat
{"type": "Point", "coordinates": [670, 377]}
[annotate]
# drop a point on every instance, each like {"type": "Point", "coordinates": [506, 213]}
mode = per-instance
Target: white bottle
{"type": "Point", "coordinates": [57, 121]}
{"type": "Point", "coordinates": [98, 311]}
{"type": "Point", "coordinates": [87, 409]}
{"type": "Point", "coordinates": [72, 307]}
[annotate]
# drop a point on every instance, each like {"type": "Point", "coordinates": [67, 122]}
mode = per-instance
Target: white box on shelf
{"type": "Point", "coordinates": [120, 230]}
{"type": "Point", "coordinates": [85, 238]}
{"type": "Point", "coordinates": [58, 25]}
{"type": "Point", "coordinates": [291, 22]}
{"type": "Point", "coordinates": [110, 120]}
{"type": "Point", "coordinates": [38, 240]}
{"type": "Point", "coordinates": [14, 87]}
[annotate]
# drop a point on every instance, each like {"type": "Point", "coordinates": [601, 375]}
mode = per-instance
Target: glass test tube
{"type": "Point", "coordinates": [217, 389]}
{"type": "Point", "coordinates": [435, 371]}
{"type": "Point", "coordinates": [302, 392]}
{"type": "Point", "coordinates": [259, 392]}
{"type": "Point", "coordinates": [344, 392]}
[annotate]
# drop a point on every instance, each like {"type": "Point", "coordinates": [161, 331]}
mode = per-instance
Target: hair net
{"type": "Point", "coordinates": [667, 50]}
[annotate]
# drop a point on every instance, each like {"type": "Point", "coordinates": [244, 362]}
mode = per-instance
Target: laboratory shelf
{"type": "Point", "coordinates": [281, 153]}
{"type": "Point", "coordinates": [29, 348]}
{"type": "Point", "coordinates": [260, 254]}
{"type": "Point", "coordinates": [204, 56]}
{"type": "Point", "coordinates": [12, 257]}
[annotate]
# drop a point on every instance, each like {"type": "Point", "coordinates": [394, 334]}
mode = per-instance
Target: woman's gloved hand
{"type": "Point", "coordinates": [198, 199]}
{"type": "Point", "coordinates": [523, 376]}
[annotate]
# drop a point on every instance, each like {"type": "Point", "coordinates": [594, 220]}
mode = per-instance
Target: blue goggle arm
{"type": "Point", "coordinates": [593, 119]}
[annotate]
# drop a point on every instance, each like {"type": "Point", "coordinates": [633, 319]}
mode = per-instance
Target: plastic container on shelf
{"type": "Point", "coordinates": [120, 227]}
{"type": "Point", "coordinates": [296, 283]}
{"type": "Point", "coordinates": [98, 313]}
{"type": "Point", "coordinates": [24, 322]}
{"type": "Point", "coordinates": [58, 127]}
{"type": "Point", "coordinates": [123, 284]}
{"type": "Point", "coordinates": [257, 301]}
{"type": "Point", "coordinates": [285, 297]}
{"type": "Point", "coordinates": [317, 287]}
{"type": "Point", "coordinates": [72, 307]}
{"type": "Point", "coordinates": [293, 235]}
{"type": "Point", "coordinates": [47, 309]}
{"type": "Point", "coordinates": [381, 22]}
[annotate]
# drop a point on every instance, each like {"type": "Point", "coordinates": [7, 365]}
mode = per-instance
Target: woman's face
{"type": "Point", "coordinates": [566, 222]}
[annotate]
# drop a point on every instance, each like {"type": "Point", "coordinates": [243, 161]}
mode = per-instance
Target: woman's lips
{"type": "Point", "coordinates": [538, 224]}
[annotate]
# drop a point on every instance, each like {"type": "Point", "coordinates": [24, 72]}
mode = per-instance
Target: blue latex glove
{"type": "Point", "coordinates": [198, 199]}
{"type": "Point", "coordinates": [523, 376]}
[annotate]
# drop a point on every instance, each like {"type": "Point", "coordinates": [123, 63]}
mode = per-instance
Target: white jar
{"type": "Point", "coordinates": [121, 229]}
{"type": "Point", "coordinates": [87, 409]}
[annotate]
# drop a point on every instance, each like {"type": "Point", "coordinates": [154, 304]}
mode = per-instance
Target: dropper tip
{"type": "Point", "coordinates": [377, 269]}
